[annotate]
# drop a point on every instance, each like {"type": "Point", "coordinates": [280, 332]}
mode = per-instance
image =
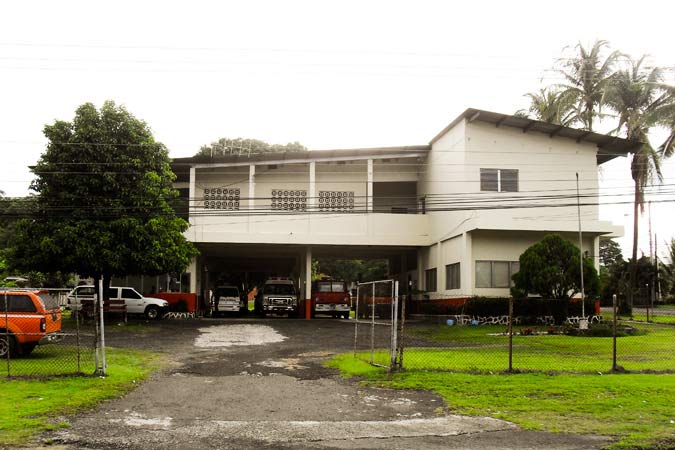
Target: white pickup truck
{"type": "Point", "coordinates": [152, 308]}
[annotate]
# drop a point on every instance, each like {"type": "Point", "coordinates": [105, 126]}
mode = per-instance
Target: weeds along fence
{"type": "Point", "coordinates": [496, 335]}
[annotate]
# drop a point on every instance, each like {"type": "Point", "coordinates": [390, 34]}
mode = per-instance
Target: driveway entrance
{"type": "Point", "coordinates": [247, 384]}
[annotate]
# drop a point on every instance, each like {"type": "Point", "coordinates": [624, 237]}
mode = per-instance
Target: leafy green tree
{"type": "Point", "coordinates": [610, 253]}
{"type": "Point", "coordinates": [101, 209]}
{"type": "Point", "coordinates": [247, 147]}
{"type": "Point", "coordinates": [355, 270]}
{"type": "Point", "coordinates": [587, 75]}
{"type": "Point", "coordinates": [641, 102]}
{"type": "Point", "coordinates": [550, 268]}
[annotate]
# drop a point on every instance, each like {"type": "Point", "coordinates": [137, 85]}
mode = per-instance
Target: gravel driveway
{"type": "Point", "coordinates": [261, 384]}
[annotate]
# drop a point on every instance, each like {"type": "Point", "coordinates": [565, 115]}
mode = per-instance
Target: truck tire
{"type": "Point", "coordinates": [152, 313]}
{"type": "Point", "coordinates": [7, 345]}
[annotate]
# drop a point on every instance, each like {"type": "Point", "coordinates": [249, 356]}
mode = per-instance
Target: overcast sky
{"type": "Point", "coordinates": [330, 74]}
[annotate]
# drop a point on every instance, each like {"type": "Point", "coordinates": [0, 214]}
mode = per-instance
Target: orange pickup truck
{"type": "Point", "coordinates": [28, 317]}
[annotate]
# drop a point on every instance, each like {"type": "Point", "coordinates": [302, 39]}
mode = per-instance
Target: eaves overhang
{"type": "Point", "coordinates": [609, 147]}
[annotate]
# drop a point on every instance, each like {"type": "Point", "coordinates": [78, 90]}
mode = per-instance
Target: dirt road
{"type": "Point", "coordinates": [261, 384]}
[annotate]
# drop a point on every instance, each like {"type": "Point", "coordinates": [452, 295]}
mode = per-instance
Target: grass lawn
{"type": "Point", "coordinates": [30, 407]}
{"type": "Point", "coordinates": [465, 365]}
{"type": "Point", "coordinates": [636, 409]}
{"type": "Point", "coordinates": [656, 318]}
{"type": "Point", "coordinates": [482, 349]}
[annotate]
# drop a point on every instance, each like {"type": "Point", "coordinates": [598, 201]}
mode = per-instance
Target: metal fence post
{"type": "Point", "coordinates": [401, 334]}
{"type": "Point", "coordinates": [614, 367]}
{"type": "Point", "coordinates": [77, 332]}
{"type": "Point", "coordinates": [372, 328]}
{"type": "Point", "coordinates": [510, 334]}
{"type": "Point", "coordinates": [9, 373]}
{"type": "Point", "coordinates": [394, 329]}
{"type": "Point", "coordinates": [100, 301]}
{"type": "Point", "coordinates": [356, 321]}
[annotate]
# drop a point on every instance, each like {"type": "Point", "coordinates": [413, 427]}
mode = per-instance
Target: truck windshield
{"type": "Point", "coordinates": [279, 289]}
{"type": "Point", "coordinates": [226, 292]}
{"type": "Point", "coordinates": [331, 286]}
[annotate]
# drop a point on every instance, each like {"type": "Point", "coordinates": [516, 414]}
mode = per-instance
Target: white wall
{"type": "Point", "coordinates": [332, 228]}
{"type": "Point", "coordinates": [485, 245]}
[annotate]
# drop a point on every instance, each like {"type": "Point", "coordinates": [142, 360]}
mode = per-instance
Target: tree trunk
{"type": "Point", "coordinates": [106, 284]}
{"type": "Point", "coordinates": [633, 264]}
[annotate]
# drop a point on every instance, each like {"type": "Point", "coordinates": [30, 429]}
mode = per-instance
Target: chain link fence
{"type": "Point", "coordinates": [376, 323]}
{"type": "Point", "coordinates": [461, 335]}
{"type": "Point", "coordinates": [37, 340]}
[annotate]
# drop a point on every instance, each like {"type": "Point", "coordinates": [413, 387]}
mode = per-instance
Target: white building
{"type": "Point", "coordinates": [453, 216]}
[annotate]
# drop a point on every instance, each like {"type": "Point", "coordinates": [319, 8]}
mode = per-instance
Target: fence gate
{"type": "Point", "coordinates": [376, 323]}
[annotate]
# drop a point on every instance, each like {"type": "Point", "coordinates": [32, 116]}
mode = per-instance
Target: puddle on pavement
{"type": "Point", "coordinates": [284, 363]}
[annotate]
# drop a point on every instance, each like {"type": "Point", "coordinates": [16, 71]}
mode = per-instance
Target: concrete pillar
{"type": "Point", "coordinates": [251, 187]}
{"type": "Point", "coordinates": [192, 269]}
{"type": "Point", "coordinates": [440, 268]}
{"type": "Point", "coordinates": [596, 253]}
{"type": "Point", "coordinates": [420, 270]}
{"type": "Point", "coordinates": [308, 282]}
{"type": "Point", "coordinates": [311, 191]}
{"type": "Point", "coordinates": [369, 198]}
{"type": "Point", "coordinates": [467, 266]}
{"type": "Point", "coordinates": [192, 200]}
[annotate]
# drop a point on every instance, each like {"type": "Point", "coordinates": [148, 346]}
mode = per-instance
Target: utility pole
{"type": "Point", "coordinates": [658, 280]}
{"type": "Point", "coordinates": [581, 256]}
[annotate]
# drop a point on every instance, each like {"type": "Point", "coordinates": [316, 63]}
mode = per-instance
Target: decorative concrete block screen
{"type": "Point", "coordinates": [336, 200]}
{"type": "Point", "coordinates": [222, 198]}
{"type": "Point", "coordinates": [289, 200]}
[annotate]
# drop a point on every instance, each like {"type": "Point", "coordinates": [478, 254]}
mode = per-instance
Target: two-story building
{"type": "Point", "coordinates": [452, 216]}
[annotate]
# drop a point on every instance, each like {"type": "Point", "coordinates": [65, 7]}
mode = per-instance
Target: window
{"type": "Point", "coordinates": [324, 287]}
{"type": "Point", "coordinates": [452, 276]}
{"type": "Point", "coordinates": [17, 303]}
{"type": "Point", "coordinates": [279, 289]}
{"type": "Point", "coordinates": [339, 287]}
{"type": "Point", "coordinates": [499, 180]}
{"type": "Point", "coordinates": [130, 294]}
{"type": "Point", "coordinates": [495, 274]}
{"type": "Point", "coordinates": [430, 280]}
{"type": "Point", "coordinates": [85, 290]}
{"type": "Point", "coordinates": [330, 286]}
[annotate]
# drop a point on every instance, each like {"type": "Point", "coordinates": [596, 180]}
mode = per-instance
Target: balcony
{"type": "Point", "coordinates": [312, 229]}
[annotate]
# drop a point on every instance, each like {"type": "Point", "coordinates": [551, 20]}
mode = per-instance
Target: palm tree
{"type": "Point", "coordinates": [550, 105]}
{"type": "Point", "coordinates": [641, 103]}
{"type": "Point", "coordinates": [587, 76]}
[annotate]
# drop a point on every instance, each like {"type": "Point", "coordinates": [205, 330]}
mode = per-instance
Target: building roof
{"type": "Point", "coordinates": [609, 147]}
{"type": "Point", "coordinates": [181, 166]}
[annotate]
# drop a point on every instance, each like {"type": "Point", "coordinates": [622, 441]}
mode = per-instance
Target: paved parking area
{"type": "Point", "coordinates": [252, 384]}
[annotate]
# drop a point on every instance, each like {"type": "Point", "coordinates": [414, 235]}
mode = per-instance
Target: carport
{"type": "Point", "coordinates": [251, 264]}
